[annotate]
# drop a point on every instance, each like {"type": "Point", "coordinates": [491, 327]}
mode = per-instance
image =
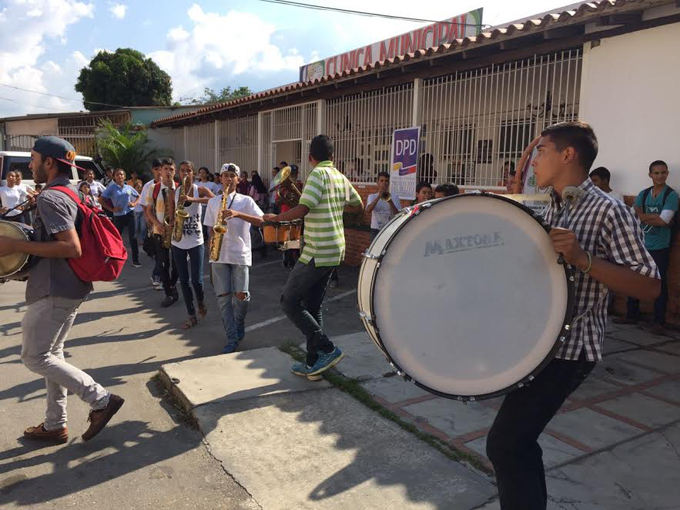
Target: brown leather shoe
{"type": "Point", "coordinates": [39, 432]}
{"type": "Point", "coordinates": [99, 419]}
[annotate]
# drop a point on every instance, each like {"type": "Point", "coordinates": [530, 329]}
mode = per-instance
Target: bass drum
{"type": "Point", "coordinates": [16, 265]}
{"type": "Point", "coordinates": [464, 295]}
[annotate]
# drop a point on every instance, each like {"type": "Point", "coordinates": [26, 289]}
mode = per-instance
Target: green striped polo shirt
{"type": "Point", "coordinates": [326, 193]}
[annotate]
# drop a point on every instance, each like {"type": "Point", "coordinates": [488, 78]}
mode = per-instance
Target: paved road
{"type": "Point", "coordinates": [147, 456]}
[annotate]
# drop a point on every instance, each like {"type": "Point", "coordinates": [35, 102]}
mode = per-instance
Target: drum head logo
{"type": "Point", "coordinates": [463, 243]}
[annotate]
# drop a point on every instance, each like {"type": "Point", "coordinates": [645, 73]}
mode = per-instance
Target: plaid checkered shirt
{"type": "Point", "coordinates": [608, 230]}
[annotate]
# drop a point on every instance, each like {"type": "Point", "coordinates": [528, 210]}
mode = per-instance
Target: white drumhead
{"type": "Point", "coordinates": [469, 298]}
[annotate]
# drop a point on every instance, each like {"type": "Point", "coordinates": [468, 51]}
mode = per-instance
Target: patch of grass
{"type": "Point", "coordinates": [353, 387]}
{"type": "Point", "coordinates": [174, 404]}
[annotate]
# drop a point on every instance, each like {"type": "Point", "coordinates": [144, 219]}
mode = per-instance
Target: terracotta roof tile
{"type": "Point", "coordinates": [585, 9]}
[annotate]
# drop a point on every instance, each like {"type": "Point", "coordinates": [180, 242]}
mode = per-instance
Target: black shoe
{"type": "Point", "coordinates": [169, 300]}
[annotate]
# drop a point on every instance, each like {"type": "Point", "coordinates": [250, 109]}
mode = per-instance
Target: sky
{"type": "Point", "coordinates": [45, 43]}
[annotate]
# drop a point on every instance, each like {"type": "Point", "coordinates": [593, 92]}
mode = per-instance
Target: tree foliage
{"type": "Point", "coordinates": [127, 147]}
{"type": "Point", "coordinates": [125, 78]}
{"type": "Point", "coordinates": [210, 96]}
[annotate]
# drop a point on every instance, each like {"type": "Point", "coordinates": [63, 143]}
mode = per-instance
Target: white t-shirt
{"type": "Point", "coordinates": [236, 241]}
{"type": "Point", "coordinates": [382, 213]}
{"type": "Point", "coordinates": [212, 186]}
{"type": "Point", "coordinates": [11, 197]}
{"type": "Point", "coordinates": [192, 234]}
{"type": "Point", "coordinates": [618, 196]}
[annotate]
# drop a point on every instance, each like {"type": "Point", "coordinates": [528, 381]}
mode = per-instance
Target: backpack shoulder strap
{"type": "Point", "coordinates": [645, 194]}
{"type": "Point", "coordinates": [70, 193]}
{"type": "Point", "coordinates": [156, 190]}
{"type": "Point", "coordinates": [668, 191]}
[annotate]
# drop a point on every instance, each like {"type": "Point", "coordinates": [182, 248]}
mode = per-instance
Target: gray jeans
{"type": "Point", "coordinates": [45, 327]}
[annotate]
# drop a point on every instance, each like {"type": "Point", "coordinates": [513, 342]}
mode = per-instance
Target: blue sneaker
{"type": "Point", "coordinates": [327, 360]}
{"type": "Point", "coordinates": [301, 369]}
{"type": "Point", "coordinates": [229, 348]}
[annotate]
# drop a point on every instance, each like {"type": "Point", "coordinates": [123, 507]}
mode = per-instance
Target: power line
{"type": "Point", "coordinates": [29, 104]}
{"type": "Point", "coordinates": [291, 3]}
{"type": "Point", "coordinates": [62, 97]}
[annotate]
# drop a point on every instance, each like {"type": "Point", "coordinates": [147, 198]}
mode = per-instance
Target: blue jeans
{"type": "Point", "coordinates": [195, 274]}
{"type": "Point", "coordinates": [140, 227]}
{"type": "Point", "coordinates": [128, 221]}
{"type": "Point", "coordinates": [301, 302]}
{"type": "Point", "coordinates": [228, 280]}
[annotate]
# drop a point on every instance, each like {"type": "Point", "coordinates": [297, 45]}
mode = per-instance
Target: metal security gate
{"type": "Point", "coordinates": [237, 143]}
{"type": "Point", "coordinates": [361, 126]}
{"type": "Point", "coordinates": [475, 121]}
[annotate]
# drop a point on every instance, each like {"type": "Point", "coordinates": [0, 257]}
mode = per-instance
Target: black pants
{"type": "Point", "coordinates": [512, 445]}
{"type": "Point", "coordinates": [128, 221]}
{"type": "Point", "coordinates": [169, 274]}
{"type": "Point", "coordinates": [301, 302]}
{"type": "Point", "coordinates": [662, 259]}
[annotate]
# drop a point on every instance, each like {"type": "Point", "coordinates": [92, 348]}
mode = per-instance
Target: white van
{"type": "Point", "coordinates": [19, 161]}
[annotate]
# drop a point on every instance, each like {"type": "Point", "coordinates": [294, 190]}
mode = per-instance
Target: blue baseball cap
{"type": "Point", "coordinates": [55, 147]}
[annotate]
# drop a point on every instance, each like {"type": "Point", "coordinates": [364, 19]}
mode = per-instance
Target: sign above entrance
{"type": "Point", "coordinates": [457, 27]}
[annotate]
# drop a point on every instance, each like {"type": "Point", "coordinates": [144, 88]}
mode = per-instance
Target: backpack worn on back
{"type": "Point", "coordinates": [103, 253]}
{"type": "Point", "coordinates": [674, 222]}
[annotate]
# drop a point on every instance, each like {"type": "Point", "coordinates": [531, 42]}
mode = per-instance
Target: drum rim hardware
{"type": "Point", "coordinates": [371, 318]}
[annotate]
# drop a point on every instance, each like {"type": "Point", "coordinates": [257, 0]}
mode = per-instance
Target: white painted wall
{"type": "Point", "coordinates": [629, 94]}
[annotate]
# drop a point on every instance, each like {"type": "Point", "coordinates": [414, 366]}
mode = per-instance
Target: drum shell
{"type": "Point", "coordinates": [281, 232]}
{"type": "Point", "coordinates": [368, 279]}
{"type": "Point", "coordinates": [16, 266]}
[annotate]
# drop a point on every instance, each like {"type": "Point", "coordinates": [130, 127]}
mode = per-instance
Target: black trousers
{"type": "Point", "coordinates": [512, 445]}
{"type": "Point", "coordinates": [128, 221]}
{"type": "Point", "coordinates": [662, 259]}
{"type": "Point", "coordinates": [169, 274]}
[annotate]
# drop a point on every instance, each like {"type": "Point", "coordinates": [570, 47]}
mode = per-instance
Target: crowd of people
{"type": "Point", "coordinates": [602, 241]}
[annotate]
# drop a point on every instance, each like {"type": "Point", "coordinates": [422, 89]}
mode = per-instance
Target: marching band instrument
{"type": "Point", "coordinates": [220, 228]}
{"type": "Point", "coordinates": [180, 214]}
{"type": "Point", "coordinates": [16, 265]}
{"type": "Point", "coordinates": [386, 196]}
{"type": "Point", "coordinates": [462, 259]}
{"type": "Point", "coordinates": [167, 233]}
{"type": "Point", "coordinates": [288, 190]}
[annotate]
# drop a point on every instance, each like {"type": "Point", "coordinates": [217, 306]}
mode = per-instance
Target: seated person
{"type": "Point", "coordinates": [446, 190]}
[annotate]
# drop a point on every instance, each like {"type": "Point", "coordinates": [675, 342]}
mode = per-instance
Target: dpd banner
{"type": "Point", "coordinates": [404, 162]}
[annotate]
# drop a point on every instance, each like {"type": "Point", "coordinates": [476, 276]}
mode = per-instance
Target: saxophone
{"type": "Point", "coordinates": [180, 214]}
{"type": "Point", "coordinates": [167, 235]}
{"type": "Point", "coordinates": [219, 230]}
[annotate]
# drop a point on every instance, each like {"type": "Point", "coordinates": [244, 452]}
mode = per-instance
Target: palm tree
{"type": "Point", "coordinates": [127, 147]}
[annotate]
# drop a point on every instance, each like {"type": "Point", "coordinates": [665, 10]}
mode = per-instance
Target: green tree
{"type": "Point", "coordinates": [125, 78]}
{"type": "Point", "coordinates": [127, 147]}
{"type": "Point", "coordinates": [210, 96]}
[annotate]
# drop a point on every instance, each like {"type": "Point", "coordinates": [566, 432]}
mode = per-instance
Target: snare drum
{"type": "Point", "coordinates": [464, 295]}
{"type": "Point", "coordinates": [16, 265]}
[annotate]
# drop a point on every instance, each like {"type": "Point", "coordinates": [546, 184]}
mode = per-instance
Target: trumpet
{"type": "Point", "coordinates": [386, 196]}
{"type": "Point", "coordinates": [219, 229]}
{"type": "Point", "coordinates": [180, 214]}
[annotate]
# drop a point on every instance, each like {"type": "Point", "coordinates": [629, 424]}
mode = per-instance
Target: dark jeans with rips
{"type": "Point", "coordinates": [169, 275]}
{"type": "Point", "coordinates": [662, 259]}
{"type": "Point", "coordinates": [128, 221]}
{"type": "Point", "coordinates": [512, 445]}
{"type": "Point", "coordinates": [301, 302]}
{"type": "Point", "coordinates": [191, 269]}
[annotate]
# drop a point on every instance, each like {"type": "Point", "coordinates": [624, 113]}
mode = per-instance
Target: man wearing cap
{"type": "Point", "coordinates": [53, 295]}
{"type": "Point", "coordinates": [230, 273]}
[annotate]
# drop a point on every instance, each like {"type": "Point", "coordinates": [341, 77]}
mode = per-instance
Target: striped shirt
{"type": "Point", "coordinates": [607, 229]}
{"type": "Point", "coordinates": [326, 193]}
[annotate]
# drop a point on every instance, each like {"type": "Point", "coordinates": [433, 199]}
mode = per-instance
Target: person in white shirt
{"type": "Point", "coordinates": [96, 187]}
{"type": "Point", "coordinates": [156, 167]}
{"type": "Point", "coordinates": [187, 253]}
{"type": "Point", "coordinates": [230, 273]}
{"type": "Point", "coordinates": [156, 198]}
{"type": "Point", "coordinates": [11, 199]}
{"type": "Point", "coordinates": [382, 210]}
{"type": "Point", "coordinates": [600, 177]}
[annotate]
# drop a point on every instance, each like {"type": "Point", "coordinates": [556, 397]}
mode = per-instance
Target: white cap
{"type": "Point", "coordinates": [230, 167]}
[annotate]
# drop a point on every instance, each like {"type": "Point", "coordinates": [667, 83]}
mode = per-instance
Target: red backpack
{"type": "Point", "coordinates": [103, 253]}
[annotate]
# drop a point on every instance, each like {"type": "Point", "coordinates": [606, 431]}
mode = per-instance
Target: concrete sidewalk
{"type": "Point", "coordinates": [297, 444]}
